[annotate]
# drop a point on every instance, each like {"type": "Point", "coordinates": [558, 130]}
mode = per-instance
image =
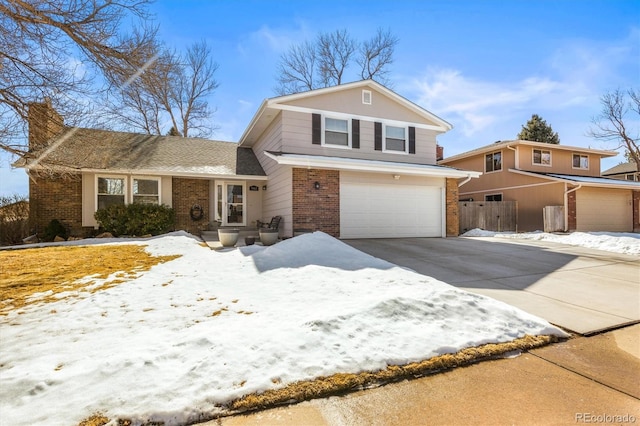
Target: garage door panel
{"type": "Point", "coordinates": [600, 209]}
{"type": "Point", "coordinates": [396, 210]}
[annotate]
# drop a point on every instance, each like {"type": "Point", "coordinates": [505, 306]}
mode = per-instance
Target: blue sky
{"type": "Point", "coordinates": [483, 66]}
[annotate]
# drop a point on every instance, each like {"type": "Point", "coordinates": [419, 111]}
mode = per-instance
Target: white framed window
{"type": "Point", "coordinates": [230, 203]}
{"type": "Point", "coordinates": [366, 97]}
{"type": "Point", "coordinates": [336, 132]}
{"type": "Point", "coordinates": [580, 161]}
{"type": "Point", "coordinates": [145, 190]}
{"type": "Point", "coordinates": [395, 139]}
{"type": "Point", "coordinates": [493, 197]}
{"type": "Point", "coordinates": [493, 162]}
{"type": "Point", "coordinates": [542, 157]}
{"type": "Point", "coordinates": [110, 190]}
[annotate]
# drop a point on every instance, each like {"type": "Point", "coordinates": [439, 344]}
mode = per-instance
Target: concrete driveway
{"type": "Point", "coordinates": [582, 290]}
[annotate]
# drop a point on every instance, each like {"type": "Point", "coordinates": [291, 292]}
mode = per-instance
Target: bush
{"type": "Point", "coordinates": [55, 229]}
{"type": "Point", "coordinates": [14, 219]}
{"type": "Point", "coordinates": [136, 219]}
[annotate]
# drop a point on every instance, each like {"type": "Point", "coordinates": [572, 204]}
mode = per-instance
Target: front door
{"type": "Point", "coordinates": [230, 199]}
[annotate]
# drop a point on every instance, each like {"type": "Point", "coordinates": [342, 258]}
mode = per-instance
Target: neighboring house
{"type": "Point", "coordinates": [537, 175]}
{"type": "Point", "coordinates": [355, 161]}
{"type": "Point", "coordinates": [624, 171]}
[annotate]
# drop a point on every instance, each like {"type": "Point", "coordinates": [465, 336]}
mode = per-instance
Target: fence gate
{"type": "Point", "coordinates": [488, 215]}
{"type": "Point", "coordinates": [553, 218]}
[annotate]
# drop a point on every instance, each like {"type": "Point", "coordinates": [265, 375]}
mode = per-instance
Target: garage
{"type": "Point", "coordinates": [386, 206]}
{"type": "Point", "coordinates": [604, 209]}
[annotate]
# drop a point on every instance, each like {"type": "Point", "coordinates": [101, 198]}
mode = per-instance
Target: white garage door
{"type": "Point", "coordinates": [599, 209]}
{"type": "Point", "coordinates": [374, 210]}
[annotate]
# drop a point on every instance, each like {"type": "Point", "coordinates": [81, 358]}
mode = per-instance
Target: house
{"type": "Point", "coordinates": [355, 161]}
{"type": "Point", "coordinates": [624, 171]}
{"type": "Point", "coordinates": [537, 175]}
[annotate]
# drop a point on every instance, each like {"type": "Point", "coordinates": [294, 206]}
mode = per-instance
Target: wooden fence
{"type": "Point", "coordinates": [553, 218]}
{"type": "Point", "coordinates": [488, 215]}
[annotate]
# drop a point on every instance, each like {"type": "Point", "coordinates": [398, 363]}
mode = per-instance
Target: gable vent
{"type": "Point", "coordinates": [366, 97]}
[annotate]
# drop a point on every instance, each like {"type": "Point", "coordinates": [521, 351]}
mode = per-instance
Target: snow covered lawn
{"type": "Point", "coordinates": [617, 242]}
{"type": "Point", "coordinates": [192, 334]}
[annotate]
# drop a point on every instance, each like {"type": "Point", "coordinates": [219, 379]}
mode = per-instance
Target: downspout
{"type": "Point", "coordinates": [464, 181]}
{"type": "Point", "coordinates": [566, 204]}
{"type": "Point", "coordinates": [517, 160]}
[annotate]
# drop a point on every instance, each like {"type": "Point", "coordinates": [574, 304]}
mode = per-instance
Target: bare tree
{"type": "Point", "coordinates": [296, 70]}
{"type": "Point", "coordinates": [173, 89]}
{"type": "Point", "coordinates": [620, 110]}
{"type": "Point", "coordinates": [53, 49]}
{"type": "Point", "coordinates": [376, 54]}
{"type": "Point", "coordinates": [325, 62]}
{"type": "Point", "coordinates": [334, 54]}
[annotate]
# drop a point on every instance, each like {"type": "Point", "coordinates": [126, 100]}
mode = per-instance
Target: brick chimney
{"type": "Point", "coordinates": [44, 124]}
{"type": "Point", "coordinates": [439, 153]}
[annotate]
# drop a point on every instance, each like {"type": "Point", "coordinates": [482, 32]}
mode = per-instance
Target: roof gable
{"type": "Point", "coordinates": [631, 167]}
{"type": "Point", "coordinates": [345, 99]}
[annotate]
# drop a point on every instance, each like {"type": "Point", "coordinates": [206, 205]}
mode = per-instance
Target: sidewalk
{"type": "Point", "coordinates": [583, 380]}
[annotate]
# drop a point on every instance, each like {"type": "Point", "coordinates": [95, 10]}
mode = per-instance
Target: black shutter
{"type": "Point", "coordinates": [412, 140]}
{"type": "Point", "coordinates": [316, 129]}
{"type": "Point", "coordinates": [355, 133]}
{"type": "Point", "coordinates": [377, 138]}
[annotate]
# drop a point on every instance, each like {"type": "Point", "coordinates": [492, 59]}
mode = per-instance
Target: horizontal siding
{"type": "Point", "coordinates": [296, 138]}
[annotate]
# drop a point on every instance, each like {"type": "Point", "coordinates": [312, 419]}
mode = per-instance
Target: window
{"type": "Point", "coordinates": [146, 191]}
{"type": "Point", "coordinates": [395, 139]}
{"type": "Point", "coordinates": [110, 191]}
{"type": "Point", "coordinates": [542, 157]}
{"type": "Point", "coordinates": [366, 97]}
{"type": "Point", "coordinates": [336, 132]}
{"type": "Point", "coordinates": [493, 162]}
{"type": "Point", "coordinates": [580, 161]}
{"type": "Point", "coordinates": [493, 197]}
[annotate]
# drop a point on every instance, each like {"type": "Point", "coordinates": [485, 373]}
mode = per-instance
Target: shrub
{"type": "Point", "coordinates": [14, 219]}
{"type": "Point", "coordinates": [136, 219]}
{"type": "Point", "coordinates": [54, 229]}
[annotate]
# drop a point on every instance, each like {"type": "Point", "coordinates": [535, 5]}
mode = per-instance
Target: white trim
{"type": "Point", "coordinates": [491, 194]}
{"type": "Point", "coordinates": [367, 97]}
{"type": "Point", "coordinates": [323, 142]}
{"type": "Point", "coordinates": [578, 182]}
{"type": "Point", "coordinates": [110, 176]}
{"type": "Point", "coordinates": [376, 166]}
{"type": "Point", "coordinates": [533, 150]}
{"type": "Point", "coordinates": [501, 161]}
{"type": "Point", "coordinates": [581, 155]}
{"type": "Point", "coordinates": [223, 218]}
{"type": "Point", "coordinates": [156, 178]}
{"type": "Point", "coordinates": [384, 139]}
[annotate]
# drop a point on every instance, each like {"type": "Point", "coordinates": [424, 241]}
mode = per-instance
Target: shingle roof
{"type": "Point", "coordinates": [79, 148]}
{"type": "Point", "coordinates": [621, 168]}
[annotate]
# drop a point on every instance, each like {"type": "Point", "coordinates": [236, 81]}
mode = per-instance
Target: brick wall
{"type": "Point", "coordinates": [571, 211]}
{"type": "Point", "coordinates": [186, 193]}
{"type": "Point", "coordinates": [636, 211]}
{"type": "Point", "coordinates": [316, 209]}
{"type": "Point", "coordinates": [452, 210]}
{"type": "Point", "coordinates": [56, 197]}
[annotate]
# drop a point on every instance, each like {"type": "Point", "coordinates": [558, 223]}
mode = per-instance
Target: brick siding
{"type": "Point", "coordinates": [56, 197]}
{"type": "Point", "coordinates": [186, 193]}
{"type": "Point", "coordinates": [572, 223]}
{"type": "Point", "coordinates": [452, 212]}
{"type": "Point", "coordinates": [316, 209]}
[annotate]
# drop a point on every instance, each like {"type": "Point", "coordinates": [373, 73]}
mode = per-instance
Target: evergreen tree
{"type": "Point", "coordinates": [173, 132]}
{"type": "Point", "coordinates": [538, 130]}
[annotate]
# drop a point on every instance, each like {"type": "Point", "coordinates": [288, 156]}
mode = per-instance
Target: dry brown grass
{"type": "Point", "coordinates": [346, 382]}
{"type": "Point", "coordinates": [56, 270]}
